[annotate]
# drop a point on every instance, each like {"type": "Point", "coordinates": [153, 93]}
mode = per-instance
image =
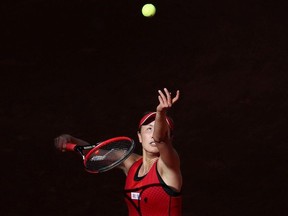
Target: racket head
{"type": "Point", "coordinates": [108, 154]}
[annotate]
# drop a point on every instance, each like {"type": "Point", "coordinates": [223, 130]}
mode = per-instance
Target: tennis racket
{"type": "Point", "coordinates": [104, 155]}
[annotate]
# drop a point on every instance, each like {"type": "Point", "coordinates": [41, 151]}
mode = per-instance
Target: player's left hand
{"type": "Point", "coordinates": [165, 99]}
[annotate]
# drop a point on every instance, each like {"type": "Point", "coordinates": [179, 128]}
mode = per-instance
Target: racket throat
{"type": "Point", "coordinates": [80, 151]}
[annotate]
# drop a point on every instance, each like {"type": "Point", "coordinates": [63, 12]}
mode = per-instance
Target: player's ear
{"type": "Point", "coordinates": [139, 136]}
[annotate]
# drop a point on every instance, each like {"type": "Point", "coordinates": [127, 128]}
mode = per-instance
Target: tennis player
{"type": "Point", "coordinates": [153, 179]}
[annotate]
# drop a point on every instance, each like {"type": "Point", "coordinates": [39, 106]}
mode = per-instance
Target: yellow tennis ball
{"type": "Point", "coordinates": [148, 10]}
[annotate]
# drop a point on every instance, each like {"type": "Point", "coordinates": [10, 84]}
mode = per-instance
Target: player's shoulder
{"type": "Point", "coordinates": [134, 157]}
{"type": "Point", "coordinates": [127, 164]}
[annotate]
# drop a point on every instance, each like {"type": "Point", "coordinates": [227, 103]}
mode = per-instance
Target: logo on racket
{"type": "Point", "coordinates": [103, 157]}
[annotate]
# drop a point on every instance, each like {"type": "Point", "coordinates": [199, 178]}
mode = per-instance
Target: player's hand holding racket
{"type": "Point", "coordinates": [101, 156]}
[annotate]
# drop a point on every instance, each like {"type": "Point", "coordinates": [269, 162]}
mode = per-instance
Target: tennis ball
{"type": "Point", "coordinates": [148, 10]}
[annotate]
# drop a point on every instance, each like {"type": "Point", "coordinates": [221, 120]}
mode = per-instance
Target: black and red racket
{"type": "Point", "coordinates": [104, 155]}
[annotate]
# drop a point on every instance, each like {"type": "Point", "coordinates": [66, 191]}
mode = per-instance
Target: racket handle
{"type": "Point", "coordinates": [70, 147]}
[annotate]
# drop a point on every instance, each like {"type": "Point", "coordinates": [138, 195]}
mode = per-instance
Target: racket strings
{"type": "Point", "coordinates": [108, 156]}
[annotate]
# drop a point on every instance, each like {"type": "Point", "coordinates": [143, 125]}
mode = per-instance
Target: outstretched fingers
{"type": "Point", "coordinates": [176, 97]}
{"type": "Point", "coordinates": [165, 99]}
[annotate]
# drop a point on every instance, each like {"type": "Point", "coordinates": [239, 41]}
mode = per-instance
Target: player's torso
{"type": "Point", "coordinates": [147, 195]}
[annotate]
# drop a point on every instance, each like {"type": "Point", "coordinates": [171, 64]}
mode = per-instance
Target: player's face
{"type": "Point", "coordinates": [145, 137]}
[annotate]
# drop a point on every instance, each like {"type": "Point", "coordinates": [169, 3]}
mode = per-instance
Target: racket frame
{"type": "Point", "coordinates": [94, 148]}
{"type": "Point", "coordinates": [106, 142]}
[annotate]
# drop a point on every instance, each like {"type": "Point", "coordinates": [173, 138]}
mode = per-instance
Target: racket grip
{"type": "Point", "coordinates": [70, 146]}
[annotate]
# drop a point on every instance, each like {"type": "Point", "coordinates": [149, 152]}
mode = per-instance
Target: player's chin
{"type": "Point", "coordinates": [153, 148]}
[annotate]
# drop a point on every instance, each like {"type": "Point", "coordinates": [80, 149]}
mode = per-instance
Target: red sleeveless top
{"type": "Point", "coordinates": [149, 195]}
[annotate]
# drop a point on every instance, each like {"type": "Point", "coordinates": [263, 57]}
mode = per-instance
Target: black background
{"type": "Point", "coordinates": [92, 68]}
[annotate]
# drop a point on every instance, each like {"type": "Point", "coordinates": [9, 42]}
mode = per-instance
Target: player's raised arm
{"type": "Point", "coordinates": [161, 125]}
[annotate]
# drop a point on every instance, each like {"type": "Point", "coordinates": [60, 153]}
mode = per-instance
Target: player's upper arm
{"type": "Point", "coordinates": [125, 165]}
{"type": "Point", "coordinates": [168, 156]}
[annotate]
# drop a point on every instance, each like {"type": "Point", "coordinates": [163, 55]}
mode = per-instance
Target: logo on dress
{"type": "Point", "coordinates": [135, 196]}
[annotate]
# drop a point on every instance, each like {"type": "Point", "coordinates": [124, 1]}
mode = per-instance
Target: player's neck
{"type": "Point", "coordinates": [149, 158]}
{"type": "Point", "coordinates": [147, 164]}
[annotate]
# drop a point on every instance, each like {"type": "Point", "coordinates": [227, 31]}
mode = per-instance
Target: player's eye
{"type": "Point", "coordinates": [149, 128]}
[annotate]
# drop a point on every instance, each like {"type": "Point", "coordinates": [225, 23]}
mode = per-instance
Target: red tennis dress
{"type": "Point", "coordinates": [149, 195]}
